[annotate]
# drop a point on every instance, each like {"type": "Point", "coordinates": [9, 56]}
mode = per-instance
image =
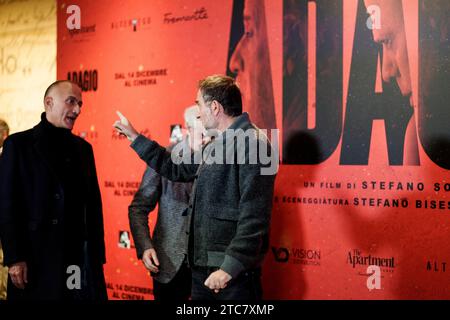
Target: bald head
{"type": "Point", "coordinates": [191, 115]}
{"type": "Point", "coordinates": [194, 127]}
{"type": "Point", "coordinates": [62, 101]}
{"type": "Point", "coordinates": [55, 85]}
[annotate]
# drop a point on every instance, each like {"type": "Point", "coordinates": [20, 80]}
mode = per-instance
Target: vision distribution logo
{"type": "Point", "coordinates": [310, 257]}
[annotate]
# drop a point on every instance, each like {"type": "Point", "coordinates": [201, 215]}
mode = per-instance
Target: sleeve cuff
{"type": "Point", "coordinates": [142, 144]}
{"type": "Point", "coordinates": [145, 246]}
{"type": "Point", "coordinates": [232, 266]}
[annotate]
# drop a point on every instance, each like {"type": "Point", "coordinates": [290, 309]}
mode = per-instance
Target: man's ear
{"type": "Point", "coordinates": [216, 107]}
{"type": "Point", "coordinates": [48, 102]}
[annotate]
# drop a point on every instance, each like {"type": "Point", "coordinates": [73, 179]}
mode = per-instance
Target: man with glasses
{"type": "Point", "coordinates": [51, 223]}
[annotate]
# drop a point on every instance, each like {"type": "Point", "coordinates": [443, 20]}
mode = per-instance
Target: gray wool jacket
{"type": "Point", "coordinates": [230, 206]}
{"type": "Point", "coordinates": [169, 235]}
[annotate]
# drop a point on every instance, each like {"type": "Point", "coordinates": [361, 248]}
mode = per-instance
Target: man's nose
{"type": "Point", "coordinates": [389, 68]}
{"type": "Point", "coordinates": [76, 110]}
{"type": "Point", "coordinates": [236, 61]}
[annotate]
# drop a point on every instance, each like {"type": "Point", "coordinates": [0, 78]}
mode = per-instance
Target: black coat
{"type": "Point", "coordinates": [33, 213]}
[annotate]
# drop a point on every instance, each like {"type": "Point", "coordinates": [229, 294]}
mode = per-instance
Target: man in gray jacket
{"type": "Point", "coordinates": [231, 202]}
{"type": "Point", "coordinates": [165, 254]}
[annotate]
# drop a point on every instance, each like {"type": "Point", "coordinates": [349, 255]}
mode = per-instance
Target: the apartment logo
{"type": "Point", "coordinates": [355, 258]}
{"type": "Point", "coordinates": [372, 267]}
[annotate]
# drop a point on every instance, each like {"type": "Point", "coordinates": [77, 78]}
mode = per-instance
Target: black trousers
{"type": "Point", "coordinates": [178, 289]}
{"type": "Point", "coordinates": [246, 286]}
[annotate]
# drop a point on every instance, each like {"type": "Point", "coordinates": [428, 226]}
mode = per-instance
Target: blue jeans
{"type": "Point", "coordinates": [246, 286]}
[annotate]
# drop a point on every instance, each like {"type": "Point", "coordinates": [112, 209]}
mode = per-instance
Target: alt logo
{"type": "Point", "coordinates": [374, 279]}
{"type": "Point", "coordinates": [280, 254]}
{"type": "Point", "coordinates": [436, 266]}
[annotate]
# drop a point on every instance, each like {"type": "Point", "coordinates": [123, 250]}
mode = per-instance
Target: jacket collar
{"type": "Point", "coordinates": [43, 133]}
{"type": "Point", "coordinates": [240, 122]}
{"type": "Point", "coordinates": [45, 130]}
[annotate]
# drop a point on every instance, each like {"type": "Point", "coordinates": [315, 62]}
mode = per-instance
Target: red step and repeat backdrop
{"type": "Point", "coordinates": [359, 92]}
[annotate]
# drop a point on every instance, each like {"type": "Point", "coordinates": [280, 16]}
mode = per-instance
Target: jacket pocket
{"type": "Point", "coordinates": [222, 224]}
{"type": "Point", "coordinates": [223, 213]}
